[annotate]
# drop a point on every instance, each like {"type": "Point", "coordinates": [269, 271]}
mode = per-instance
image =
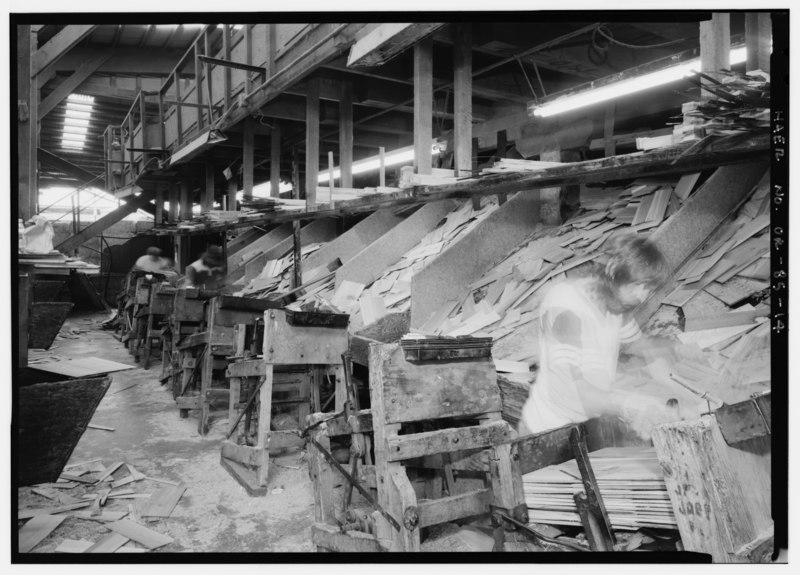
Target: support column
{"type": "Point", "coordinates": [185, 201]}
{"type": "Point", "coordinates": [297, 274]}
{"type": "Point", "coordinates": [173, 203]}
{"type": "Point", "coordinates": [550, 198]}
{"type": "Point", "coordinates": [757, 36]}
{"type": "Point", "coordinates": [232, 189]}
{"type": "Point", "coordinates": [423, 105]}
{"type": "Point", "coordinates": [248, 151]}
{"type": "Point", "coordinates": [160, 204]}
{"type": "Point", "coordinates": [715, 46]}
{"type": "Point", "coordinates": [207, 202]}
{"type": "Point", "coordinates": [462, 99]}
{"type": "Point", "coordinates": [312, 141]}
{"type": "Point", "coordinates": [610, 146]}
{"type": "Point", "coordinates": [275, 160]}
{"type": "Point", "coordinates": [27, 125]}
{"type": "Point", "coordinates": [346, 136]}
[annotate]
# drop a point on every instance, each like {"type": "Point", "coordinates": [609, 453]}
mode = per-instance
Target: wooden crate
{"type": "Point", "coordinates": [721, 493]}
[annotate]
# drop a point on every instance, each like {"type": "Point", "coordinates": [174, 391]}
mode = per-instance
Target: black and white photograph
{"type": "Point", "coordinates": [472, 286]}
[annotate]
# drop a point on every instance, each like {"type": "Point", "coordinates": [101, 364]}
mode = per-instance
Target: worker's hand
{"type": "Point", "coordinates": [642, 413]}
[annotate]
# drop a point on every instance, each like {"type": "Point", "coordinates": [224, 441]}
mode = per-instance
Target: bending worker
{"type": "Point", "coordinates": [152, 262]}
{"type": "Point", "coordinates": [584, 322]}
{"type": "Point", "coordinates": [208, 271]}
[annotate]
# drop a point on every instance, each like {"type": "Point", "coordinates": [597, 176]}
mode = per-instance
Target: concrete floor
{"type": "Point", "coordinates": [215, 513]}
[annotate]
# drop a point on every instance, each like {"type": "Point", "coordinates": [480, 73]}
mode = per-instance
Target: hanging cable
{"type": "Point", "coordinates": [608, 36]}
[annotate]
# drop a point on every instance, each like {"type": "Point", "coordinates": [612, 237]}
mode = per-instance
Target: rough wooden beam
{"type": "Point", "coordinates": [462, 98]}
{"type": "Point", "coordinates": [207, 197]}
{"type": "Point", "coordinates": [104, 223]}
{"type": "Point", "coordinates": [471, 256]}
{"type": "Point", "coordinates": [346, 135]}
{"type": "Point", "coordinates": [69, 85]}
{"type": "Point", "coordinates": [275, 160]}
{"type": "Point", "coordinates": [185, 200]}
{"type": "Point", "coordinates": [161, 191]}
{"type": "Point", "coordinates": [387, 41]}
{"type": "Point", "coordinates": [312, 141]}
{"type": "Point", "coordinates": [173, 203]}
{"type": "Point", "coordinates": [715, 46]}
{"type": "Point", "coordinates": [757, 37]}
{"type": "Point", "coordinates": [423, 105]}
{"type": "Point", "coordinates": [27, 126]}
{"type": "Point", "coordinates": [248, 150]}
{"type": "Point", "coordinates": [58, 46]}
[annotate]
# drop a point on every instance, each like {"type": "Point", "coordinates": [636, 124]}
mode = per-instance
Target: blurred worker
{"type": "Point", "coordinates": [208, 271]}
{"type": "Point", "coordinates": [152, 262]}
{"type": "Point", "coordinates": [583, 324]}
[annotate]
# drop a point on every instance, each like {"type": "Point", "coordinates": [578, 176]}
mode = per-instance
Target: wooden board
{"type": "Point", "coordinates": [413, 392]}
{"type": "Point", "coordinates": [36, 530]}
{"type": "Point", "coordinates": [52, 418]}
{"type": "Point", "coordinates": [139, 533]}
{"type": "Point", "coordinates": [331, 538]}
{"type": "Point", "coordinates": [436, 511]}
{"type": "Point", "coordinates": [284, 343]}
{"type": "Point", "coordinates": [82, 367]}
{"type": "Point", "coordinates": [447, 440]}
{"type": "Point", "coordinates": [73, 546]}
{"type": "Point", "coordinates": [108, 544]}
{"type": "Point", "coordinates": [163, 501]}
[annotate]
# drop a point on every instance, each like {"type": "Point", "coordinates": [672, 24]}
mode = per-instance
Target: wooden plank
{"type": "Point", "coordinates": [543, 449]}
{"type": "Point", "coordinates": [436, 511]}
{"type": "Point", "coordinates": [108, 544]}
{"type": "Point", "coordinates": [462, 98]}
{"type": "Point", "coordinates": [73, 546]}
{"type": "Point", "coordinates": [284, 343]}
{"type": "Point", "coordinates": [36, 530]}
{"type": "Point", "coordinates": [685, 185]}
{"type": "Point", "coordinates": [447, 440]}
{"type": "Point", "coordinates": [163, 501]}
{"type": "Point", "coordinates": [68, 86]}
{"type": "Point", "coordinates": [28, 513]}
{"type": "Point", "coordinates": [462, 388]}
{"type": "Point", "coordinates": [725, 320]}
{"type": "Point", "coordinates": [109, 471]}
{"type": "Point", "coordinates": [246, 368]}
{"type": "Point", "coordinates": [141, 534]}
{"type": "Point", "coordinates": [331, 538]}
{"type": "Point", "coordinates": [248, 151]}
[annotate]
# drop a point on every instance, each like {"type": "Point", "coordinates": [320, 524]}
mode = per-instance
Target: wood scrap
{"type": "Point", "coordinates": [36, 530]}
{"type": "Point", "coordinates": [139, 533]}
{"type": "Point", "coordinates": [28, 513]}
{"type": "Point", "coordinates": [73, 546]}
{"type": "Point", "coordinates": [108, 544]}
{"type": "Point", "coordinates": [163, 501]}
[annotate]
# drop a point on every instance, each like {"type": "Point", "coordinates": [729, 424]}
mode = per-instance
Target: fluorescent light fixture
{"type": "Point", "coordinates": [629, 86]}
{"type": "Point", "coordinates": [394, 158]}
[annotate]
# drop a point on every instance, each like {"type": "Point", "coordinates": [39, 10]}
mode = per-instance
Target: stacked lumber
{"type": "Point", "coordinates": [504, 165]}
{"type": "Point", "coordinates": [514, 391]}
{"type": "Point", "coordinates": [103, 497]}
{"type": "Point", "coordinates": [276, 276]}
{"type": "Point", "coordinates": [631, 484]}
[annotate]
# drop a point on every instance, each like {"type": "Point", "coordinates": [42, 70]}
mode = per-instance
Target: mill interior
{"type": "Point", "coordinates": [495, 285]}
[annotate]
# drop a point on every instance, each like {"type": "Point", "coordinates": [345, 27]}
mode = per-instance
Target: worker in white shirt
{"type": "Point", "coordinates": [584, 323]}
{"type": "Point", "coordinates": [208, 271]}
{"type": "Point", "coordinates": [153, 262]}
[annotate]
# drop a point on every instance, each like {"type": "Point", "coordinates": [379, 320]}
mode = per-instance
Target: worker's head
{"type": "Point", "coordinates": [154, 252]}
{"type": "Point", "coordinates": [634, 269]}
{"type": "Point", "coordinates": [212, 257]}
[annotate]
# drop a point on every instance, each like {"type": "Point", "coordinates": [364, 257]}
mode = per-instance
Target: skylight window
{"type": "Point", "coordinates": [77, 116]}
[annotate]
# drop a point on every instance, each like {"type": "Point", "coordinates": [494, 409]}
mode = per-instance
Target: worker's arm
{"type": "Point", "coordinates": [191, 276]}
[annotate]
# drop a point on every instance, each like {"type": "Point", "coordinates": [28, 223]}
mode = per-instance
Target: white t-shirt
{"type": "Point", "coordinates": [576, 338]}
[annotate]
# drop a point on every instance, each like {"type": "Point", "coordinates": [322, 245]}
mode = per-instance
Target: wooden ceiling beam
{"type": "Point", "coordinates": [58, 46]}
{"type": "Point", "coordinates": [66, 88]}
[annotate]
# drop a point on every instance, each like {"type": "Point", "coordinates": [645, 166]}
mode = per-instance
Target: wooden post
{"type": "Point", "coordinates": [207, 202]}
{"type": "Point", "coordinates": [27, 114]}
{"type": "Point", "coordinates": [185, 201]}
{"type": "Point", "coordinates": [160, 204]}
{"type": "Point", "coordinates": [179, 108]}
{"type": "Point", "coordinates": [226, 74]}
{"type": "Point", "coordinates": [610, 145]}
{"type": "Point", "coordinates": [248, 56]}
{"type": "Point", "coordinates": [715, 46]}
{"type": "Point", "coordinates": [462, 98]}
{"type": "Point", "coordinates": [272, 49]}
{"type": "Point", "coordinates": [173, 203]}
{"type": "Point", "coordinates": [423, 105]}
{"type": "Point", "coordinates": [312, 140]}
{"type": "Point", "coordinates": [232, 189]}
{"type": "Point", "coordinates": [500, 152]}
{"type": "Point", "coordinates": [297, 274]}
{"type": "Point", "coordinates": [757, 36]}
{"type": "Point", "coordinates": [198, 86]}
{"type": "Point", "coordinates": [275, 160]}
{"type": "Point", "coordinates": [382, 172]}
{"type": "Point", "coordinates": [330, 177]}
{"type": "Point", "coordinates": [346, 135]}
{"type": "Point", "coordinates": [248, 152]}
{"type": "Point", "coordinates": [550, 198]}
